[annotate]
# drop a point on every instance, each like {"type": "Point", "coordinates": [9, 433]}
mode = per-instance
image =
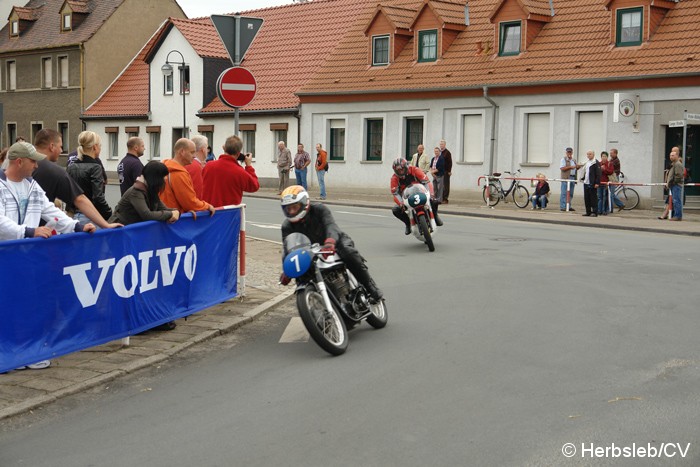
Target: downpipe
{"type": "Point", "coordinates": [494, 108]}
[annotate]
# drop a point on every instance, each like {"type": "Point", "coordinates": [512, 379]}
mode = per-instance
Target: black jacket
{"type": "Point", "coordinates": [594, 173]}
{"type": "Point", "coordinates": [318, 225]}
{"type": "Point", "coordinates": [88, 174]}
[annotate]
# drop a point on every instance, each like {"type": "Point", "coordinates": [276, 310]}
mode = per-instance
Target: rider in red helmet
{"type": "Point", "coordinates": [316, 222]}
{"type": "Point", "coordinates": [406, 175]}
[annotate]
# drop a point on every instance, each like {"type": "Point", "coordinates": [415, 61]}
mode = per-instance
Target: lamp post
{"type": "Point", "coordinates": [167, 70]}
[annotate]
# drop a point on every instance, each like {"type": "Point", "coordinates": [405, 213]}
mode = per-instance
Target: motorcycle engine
{"type": "Point", "coordinates": [339, 283]}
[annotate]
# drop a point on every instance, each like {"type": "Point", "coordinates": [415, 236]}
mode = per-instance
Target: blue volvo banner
{"type": "Point", "coordinates": [71, 292]}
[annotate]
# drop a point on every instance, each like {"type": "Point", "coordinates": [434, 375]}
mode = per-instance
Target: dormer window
{"type": "Point", "coordinates": [509, 38]}
{"type": "Point", "coordinates": [427, 45]}
{"type": "Point", "coordinates": [66, 23]}
{"type": "Point", "coordinates": [14, 28]}
{"type": "Point", "coordinates": [380, 50]}
{"type": "Point", "coordinates": [629, 26]}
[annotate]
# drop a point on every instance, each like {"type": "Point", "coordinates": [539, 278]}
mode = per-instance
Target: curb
{"type": "Point", "coordinates": [226, 326]}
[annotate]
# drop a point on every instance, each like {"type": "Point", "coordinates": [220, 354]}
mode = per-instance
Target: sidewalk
{"type": "Point", "coordinates": [22, 391]}
{"type": "Point", "coordinates": [471, 204]}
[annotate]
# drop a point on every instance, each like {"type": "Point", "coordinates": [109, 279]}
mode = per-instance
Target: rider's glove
{"type": "Point", "coordinates": [329, 246]}
{"type": "Point", "coordinates": [284, 280]}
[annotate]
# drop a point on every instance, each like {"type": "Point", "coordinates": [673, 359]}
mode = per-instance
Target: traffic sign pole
{"type": "Point", "coordinates": [236, 62]}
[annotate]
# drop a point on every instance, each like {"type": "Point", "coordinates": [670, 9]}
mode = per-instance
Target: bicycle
{"type": "Point", "coordinates": [627, 195]}
{"type": "Point", "coordinates": [494, 192]}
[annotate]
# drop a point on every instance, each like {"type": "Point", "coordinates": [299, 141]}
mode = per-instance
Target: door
{"type": "Point", "coordinates": [691, 159]}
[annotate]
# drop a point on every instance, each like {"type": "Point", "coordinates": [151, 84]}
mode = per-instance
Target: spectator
{"type": "Point", "coordinates": [23, 205]}
{"type": "Point", "coordinates": [200, 159]}
{"type": "Point", "coordinates": [89, 174]}
{"type": "Point", "coordinates": [447, 157]}
{"type": "Point", "coordinates": [225, 180]}
{"type": "Point", "coordinates": [284, 164]}
{"type": "Point", "coordinates": [20, 139]}
{"type": "Point", "coordinates": [591, 182]}
{"type": "Point", "coordinates": [130, 167]}
{"type": "Point", "coordinates": [141, 203]}
{"type": "Point", "coordinates": [615, 177]}
{"type": "Point", "coordinates": [541, 196]}
{"type": "Point", "coordinates": [3, 155]}
{"type": "Point", "coordinates": [56, 182]}
{"type": "Point", "coordinates": [568, 167]}
{"type": "Point", "coordinates": [210, 154]}
{"type": "Point", "coordinates": [179, 192]}
{"type": "Point", "coordinates": [437, 170]}
{"type": "Point", "coordinates": [606, 170]}
{"type": "Point", "coordinates": [421, 160]}
{"type": "Point", "coordinates": [674, 182]}
{"type": "Point", "coordinates": [321, 169]}
{"type": "Point", "coordinates": [302, 160]}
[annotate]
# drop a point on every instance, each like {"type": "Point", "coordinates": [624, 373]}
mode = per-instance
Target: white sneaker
{"type": "Point", "coordinates": [36, 366]}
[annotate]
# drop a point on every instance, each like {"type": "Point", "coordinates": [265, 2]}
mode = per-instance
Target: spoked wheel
{"type": "Point", "coordinates": [378, 318]}
{"type": "Point", "coordinates": [630, 197]}
{"type": "Point", "coordinates": [490, 194]}
{"type": "Point", "coordinates": [325, 327]}
{"type": "Point", "coordinates": [521, 196]}
{"type": "Point", "coordinates": [426, 232]}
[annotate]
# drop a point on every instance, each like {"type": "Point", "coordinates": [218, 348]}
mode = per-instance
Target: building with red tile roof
{"type": "Point", "coordinates": [508, 84]}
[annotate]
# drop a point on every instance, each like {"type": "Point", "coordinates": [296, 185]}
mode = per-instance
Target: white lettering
{"type": "Point", "coordinates": [145, 257]}
{"type": "Point", "coordinates": [119, 277]}
{"type": "Point", "coordinates": [190, 262]}
{"type": "Point", "coordinates": [169, 274]}
{"type": "Point", "coordinates": [81, 284]}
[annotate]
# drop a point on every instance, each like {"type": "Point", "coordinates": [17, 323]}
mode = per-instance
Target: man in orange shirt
{"type": "Point", "coordinates": [321, 169]}
{"type": "Point", "coordinates": [179, 191]}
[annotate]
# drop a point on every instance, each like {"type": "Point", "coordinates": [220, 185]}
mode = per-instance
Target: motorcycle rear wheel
{"type": "Point", "coordinates": [326, 328]}
{"type": "Point", "coordinates": [378, 316]}
{"type": "Point", "coordinates": [426, 232]}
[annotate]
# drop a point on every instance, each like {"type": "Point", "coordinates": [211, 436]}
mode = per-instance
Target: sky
{"type": "Point", "coordinates": [197, 8]}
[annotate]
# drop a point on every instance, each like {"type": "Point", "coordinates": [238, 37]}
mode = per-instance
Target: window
{"type": "Point", "coordinates": [336, 147]}
{"type": "Point", "coordinates": [11, 133]}
{"type": "Point", "coordinates": [509, 39]}
{"type": "Point", "coordinates": [36, 128]}
{"type": "Point", "coordinates": [473, 138]}
{"type": "Point", "coordinates": [14, 28]}
{"type": "Point", "coordinates": [427, 48]}
{"type": "Point", "coordinates": [168, 85]}
{"type": "Point", "coordinates": [629, 27]}
{"type": "Point", "coordinates": [279, 135]}
{"type": "Point", "coordinates": [63, 130]}
{"type": "Point", "coordinates": [113, 145]}
{"type": "Point", "coordinates": [375, 134]}
{"type": "Point", "coordinates": [184, 80]}
{"type": "Point", "coordinates": [538, 138]}
{"type": "Point", "coordinates": [380, 50]}
{"type": "Point", "coordinates": [591, 134]}
{"type": "Point", "coordinates": [46, 74]}
{"type": "Point", "coordinates": [63, 71]}
{"type": "Point", "coordinates": [154, 144]}
{"type": "Point", "coordinates": [248, 137]}
{"type": "Point", "coordinates": [11, 81]}
{"type": "Point", "coordinates": [66, 25]}
{"type": "Point", "coordinates": [414, 136]}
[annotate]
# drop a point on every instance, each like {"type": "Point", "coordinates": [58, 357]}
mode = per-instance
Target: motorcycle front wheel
{"type": "Point", "coordinates": [426, 232]}
{"type": "Point", "coordinates": [326, 327]}
{"type": "Point", "coordinates": [378, 316]}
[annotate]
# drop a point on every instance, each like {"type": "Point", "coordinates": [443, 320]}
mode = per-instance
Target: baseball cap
{"type": "Point", "coordinates": [569, 150]}
{"type": "Point", "coordinates": [24, 150]}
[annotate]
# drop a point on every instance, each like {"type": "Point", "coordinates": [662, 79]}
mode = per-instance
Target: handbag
{"type": "Point", "coordinates": [612, 178]}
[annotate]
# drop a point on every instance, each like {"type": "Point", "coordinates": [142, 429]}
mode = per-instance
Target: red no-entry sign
{"type": "Point", "coordinates": [236, 87]}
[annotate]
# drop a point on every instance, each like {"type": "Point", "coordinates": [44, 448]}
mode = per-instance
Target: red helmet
{"type": "Point", "coordinates": [400, 167]}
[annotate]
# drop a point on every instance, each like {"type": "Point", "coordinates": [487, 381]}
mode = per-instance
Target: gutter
{"type": "Point", "coordinates": [494, 108]}
{"type": "Point", "coordinates": [228, 113]}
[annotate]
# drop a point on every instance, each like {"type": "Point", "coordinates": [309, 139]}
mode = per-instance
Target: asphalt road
{"type": "Point", "coordinates": [509, 341]}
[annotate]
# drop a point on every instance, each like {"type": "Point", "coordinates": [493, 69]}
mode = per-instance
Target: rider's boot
{"type": "Point", "coordinates": [366, 280]}
{"type": "Point", "coordinates": [408, 228]}
{"type": "Point", "coordinates": [438, 221]}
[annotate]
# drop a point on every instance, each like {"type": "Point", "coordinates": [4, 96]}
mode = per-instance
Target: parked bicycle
{"type": "Point", "coordinates": [494, 192]}
{"type": "Point", "coordinates": [627, 195]}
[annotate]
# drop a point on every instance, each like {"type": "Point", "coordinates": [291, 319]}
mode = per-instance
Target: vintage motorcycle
{"type": "Point", "coordinates": [416, 200]}
{"type": "Point", "coordinates": [329, 298]}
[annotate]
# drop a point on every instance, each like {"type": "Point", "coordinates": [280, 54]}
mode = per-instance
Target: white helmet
{"type": "Point", "coordinates": [295, 203]}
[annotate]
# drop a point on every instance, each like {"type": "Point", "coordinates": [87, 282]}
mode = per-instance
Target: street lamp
{"type": "Point", "coordinates": [167, 70]}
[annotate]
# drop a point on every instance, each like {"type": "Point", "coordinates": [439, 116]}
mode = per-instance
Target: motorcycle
{"type": "Point", "coordinates": [416, 201]}
{"type": "Point", "coordinates": [330, 300]}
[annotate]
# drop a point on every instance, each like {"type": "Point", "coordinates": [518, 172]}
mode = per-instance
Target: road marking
{"type": "Point", "coordinates": [295, 332]}
{"type": "Point", "coordinates": [360, 214]}
{"type": "Point", "coordinates": [265, 226]}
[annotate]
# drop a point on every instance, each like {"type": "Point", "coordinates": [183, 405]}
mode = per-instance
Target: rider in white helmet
{"type": "Point", "coordinates": [316, 222]}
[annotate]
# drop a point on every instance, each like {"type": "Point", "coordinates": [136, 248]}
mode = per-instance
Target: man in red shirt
{"type": "Point", "coordinates": [225, 179]}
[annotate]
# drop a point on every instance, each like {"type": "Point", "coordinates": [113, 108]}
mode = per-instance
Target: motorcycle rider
{"type": "Point", "coordinates": [406, 175]}
{"type": "Point", "coordinates": [316, 222]}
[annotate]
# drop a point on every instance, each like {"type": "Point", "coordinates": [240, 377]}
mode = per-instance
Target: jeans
{"type": "Point", "coordinates": [301, 177]}
{"type": "Point", "coordinates": [83, 219]}
{"type": "Point", "coordinates": [539, 201]}
{"type": "Point", "coordinates": [603, 200]}
{"type": "Point", "coordinates": [562, 197]}
{"type": "Point", "coordinates": [322, 182]}
{"type": "Point", "coordinates": [677, 208]}
{"type": "Point", "coordinates": [616, 201]}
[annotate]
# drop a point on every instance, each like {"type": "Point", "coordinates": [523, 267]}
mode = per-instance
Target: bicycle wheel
{"type": "Point", "coordinates": [493, 197]}
{"type": "Point", "coordinates": [630, 197]}
{"type": "Point", "coordinates": [521, 196]}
